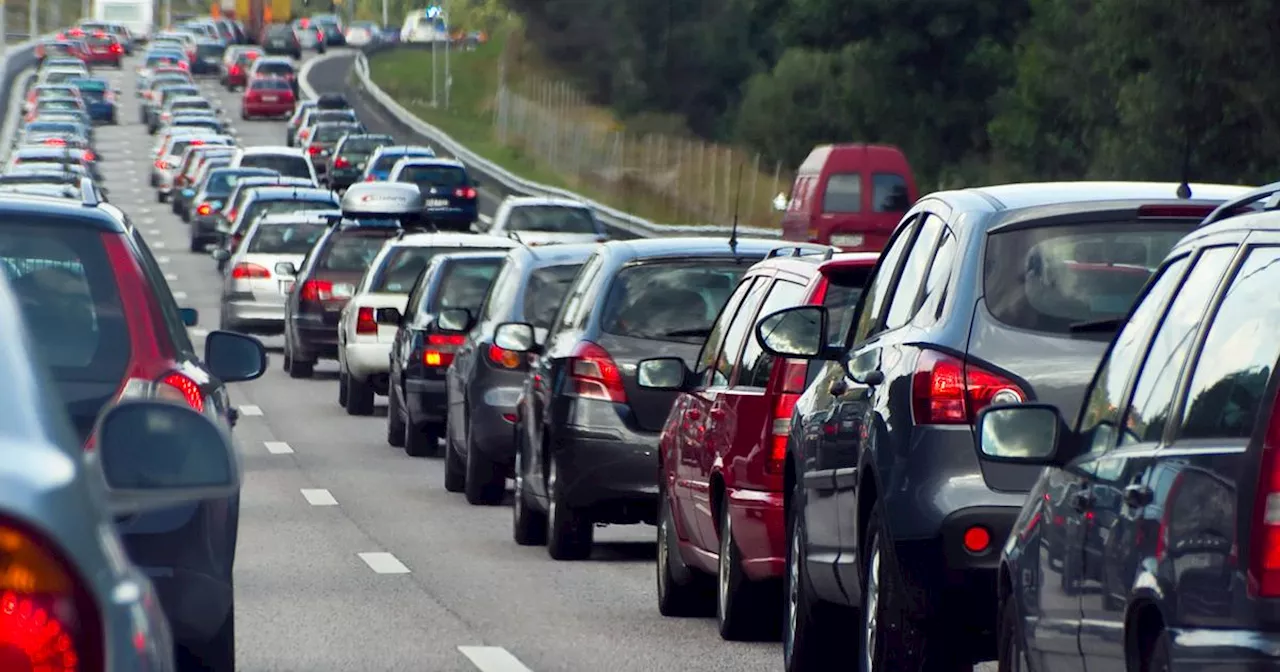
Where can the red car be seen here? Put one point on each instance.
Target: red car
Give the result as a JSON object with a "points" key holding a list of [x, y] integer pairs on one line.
{"points": [[723, 448], [267, 97], [237, 71], [104, 49]]}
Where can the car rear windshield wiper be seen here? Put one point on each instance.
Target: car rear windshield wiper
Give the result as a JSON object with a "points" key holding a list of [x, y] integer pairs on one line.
{"points": [[1097, 326], [678, 333]]}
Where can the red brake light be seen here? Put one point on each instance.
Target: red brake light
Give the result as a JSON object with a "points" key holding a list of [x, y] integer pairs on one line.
{"points": [[313, 150], [89, 156], [233, 70], [56, 142], [1162, 211], [204, 209], [594, 375], [1264, 541], [117, 49], [316, 290], [178, 387], [780, 430], [368, 178], [948, 391], [339, 162], [163, 165], [247, 271], [507, 359], [304, 22], [465, 192], [365, 324], [441, 348]]}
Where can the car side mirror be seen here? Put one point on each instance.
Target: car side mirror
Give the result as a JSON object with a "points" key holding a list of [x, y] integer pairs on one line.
{"points": [[220, 254], [233, 357], [798, 332], [663, 373], [516, 336], [457, 320], [155, 454], [1031, 434], [286, 268], [388, 316], [190, 316]]}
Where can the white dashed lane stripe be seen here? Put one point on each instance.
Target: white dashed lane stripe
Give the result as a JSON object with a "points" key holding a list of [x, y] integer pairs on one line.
{"points": [[170, 276], [198, 333], [278, 447], [383, 563], [179, 296], [493, 659], [250, 409], [319, 497], [162, 260]]}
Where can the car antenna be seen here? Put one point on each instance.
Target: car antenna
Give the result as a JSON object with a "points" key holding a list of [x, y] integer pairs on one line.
{"points": [[737, 203], [1184, 189]]}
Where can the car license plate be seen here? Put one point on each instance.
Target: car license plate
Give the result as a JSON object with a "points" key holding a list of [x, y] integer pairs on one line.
{"points": [[360, 166], [847, 240], [286, 286], [438, 203], [270, 99]]}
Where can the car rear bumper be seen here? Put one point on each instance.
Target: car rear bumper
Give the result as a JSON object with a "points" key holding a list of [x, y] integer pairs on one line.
{"points": [[425, 401], [611, 468], [759, 528], [461, 216], [316, 342], [268, 109], [256, 311], [492, 428], [367, 359]]}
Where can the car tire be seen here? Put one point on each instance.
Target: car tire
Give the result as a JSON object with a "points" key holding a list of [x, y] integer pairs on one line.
{"points": [[301, 368], [455, 470], [486, 485], [528, 525], [421, 442], [814, 632], [745, 609], [359, 396], [1011, 651], [218, 653], [196, 245], [161, 197], [395, 422], [286, 361], [342, 389], [682, 592], [570, 532]]}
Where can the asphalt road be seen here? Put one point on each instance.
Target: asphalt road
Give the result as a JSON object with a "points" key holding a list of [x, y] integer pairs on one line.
{"points": [[353, 557]]}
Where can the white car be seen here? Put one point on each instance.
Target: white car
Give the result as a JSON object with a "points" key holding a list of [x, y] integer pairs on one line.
{"points": [[364, 344], [61, 74], [170, 157], [534, 220], [254, 291], [287, 161]]}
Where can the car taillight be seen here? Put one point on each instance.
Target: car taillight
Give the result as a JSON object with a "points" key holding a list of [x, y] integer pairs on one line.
{"points": [[365, 324], [117, 49], [55, 142], [594, 375], [204, 209], [231, 215], [465, 192], [316, 290], [313, 150], [183, 65], [368, 178], [247, 271], [163, 165], [441, 348], [179, 388], [89, 156], [507, 359], [339, 162], [948, 391], [1264, 541], [780, 429], [233, 70]]}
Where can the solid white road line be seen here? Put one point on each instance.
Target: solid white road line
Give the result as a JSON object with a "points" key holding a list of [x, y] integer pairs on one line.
{"points": [[383, 563], [278, 447], [493, 659], [249, 409], [319, 497]]}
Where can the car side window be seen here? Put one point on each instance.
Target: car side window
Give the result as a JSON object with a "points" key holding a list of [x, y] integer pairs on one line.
{"points": [[757, 365], [906, 296], [415, 298], [1100, 415], [872, 303], [1228, 388], [1157, 383], [704, 369], [573, 306], [738, 331], [935, 283]]}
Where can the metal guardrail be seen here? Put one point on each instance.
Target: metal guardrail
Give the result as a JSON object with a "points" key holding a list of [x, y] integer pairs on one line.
{"points": [[520, 186]]}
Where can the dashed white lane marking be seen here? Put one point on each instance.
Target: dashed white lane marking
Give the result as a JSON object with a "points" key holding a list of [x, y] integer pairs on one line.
{"points": [[278, 447], [249, 409], [152, 232], [162, 260], [159, 245], [144, 210], [493, 659], [179, 296], [170, 276], [383, 563], [198, 333], [319, 497]]}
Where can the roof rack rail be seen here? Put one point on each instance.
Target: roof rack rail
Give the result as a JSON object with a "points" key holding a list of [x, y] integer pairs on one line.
{"points": [[88, 193], [1269, 194], [800, 251]]}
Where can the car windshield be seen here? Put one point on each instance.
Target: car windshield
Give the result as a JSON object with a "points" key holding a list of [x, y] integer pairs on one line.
{"points": [[551, 219], [545, 291], [296, 238], [285, 164], [436, 176], [669, 300], [330, 133], [1048, 278], [353, 252], [466, 282]]}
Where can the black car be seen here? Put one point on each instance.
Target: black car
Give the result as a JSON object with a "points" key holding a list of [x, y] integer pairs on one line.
{"points": [[323, 285], [587, 433], [982, 297], [347, 161], [332, 101], [280, 40], [1150, 538], [208, 60], [264, 200], [208, 201], [484, 381], [448, 192]]}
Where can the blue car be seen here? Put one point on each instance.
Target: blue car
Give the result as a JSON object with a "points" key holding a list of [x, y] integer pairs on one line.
{"points": [[378, 169], [99, 98]]}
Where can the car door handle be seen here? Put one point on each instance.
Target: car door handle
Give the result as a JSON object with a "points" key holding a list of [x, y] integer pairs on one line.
{"points": [[1082, 500], [1138, 496]]}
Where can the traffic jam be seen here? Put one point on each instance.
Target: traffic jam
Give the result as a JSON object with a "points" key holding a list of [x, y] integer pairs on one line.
{"points": [[1025, 426]]}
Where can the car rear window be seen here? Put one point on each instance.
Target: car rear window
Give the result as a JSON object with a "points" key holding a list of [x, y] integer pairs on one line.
{"points": [[333, 132], [403, 265], [275, 68], [545, 291], [58, 104], [269, 85], [289, 166], [388, 161], [551, 219], [352, 251], [211, 49], [1049, 278], [100, 41], [466, 282], [286, 238], [190, 105], [844, 289], [669, 301], [363, 147], [438, 176], [259, 207], [67, 291]]}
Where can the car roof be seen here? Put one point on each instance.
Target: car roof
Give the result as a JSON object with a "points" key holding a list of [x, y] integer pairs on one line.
{"points": [[1039, 194], [518, 201], [401, 149], [273, 150], [299, 192], [430, 161], [47, 151], [436, 239], [48, 209], [555, 255], [653, 248]]}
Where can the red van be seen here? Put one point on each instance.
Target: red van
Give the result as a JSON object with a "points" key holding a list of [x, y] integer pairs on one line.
{"points": [[849, 196]]}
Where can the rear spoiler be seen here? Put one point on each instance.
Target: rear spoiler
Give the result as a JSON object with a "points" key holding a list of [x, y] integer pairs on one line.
{"points": [[1269, 194]]}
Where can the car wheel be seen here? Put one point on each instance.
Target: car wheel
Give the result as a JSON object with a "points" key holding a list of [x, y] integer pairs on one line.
{"points": [[1010, 646], [424, 442], [342, 389], [570, 533], [528, 525], [160, 197], [196, 245], [455, 470], [395, 422], [218, 653], [814, 632], [359, 396], [485, 483], [682, 592], [744, 608], [1157, 657], [299, 368], [286, 361]]}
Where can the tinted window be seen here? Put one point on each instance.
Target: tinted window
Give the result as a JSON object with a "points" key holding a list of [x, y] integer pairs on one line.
{"points": [[844, 193], [844, 288], [711, 346], [289, 166], [439, 176], [212, 50], [320, 116], [1228, 387], [1153, 394], [274, 68], [170, 315], [285, 238], [387, 161], [466, 283], [868, 319], [904, 304], [1049, 278], [889, 193], [270, 85], [333, 132], [352, 253], [221, 182], [550, 219], [757, 365], [402, 267], [1100, 415], [67, 291], [190, 105], [545, 291], [669, 301], [738, 330], [363, 147], [260, 207]]}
